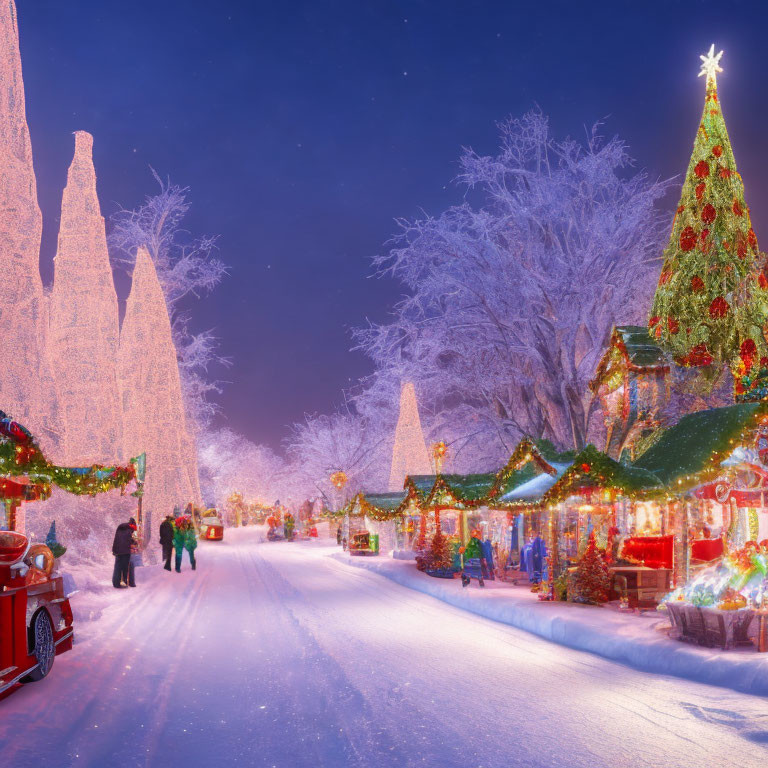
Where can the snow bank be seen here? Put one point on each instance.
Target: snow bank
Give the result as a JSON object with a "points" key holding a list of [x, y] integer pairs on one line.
{"points": [[641, 641]]}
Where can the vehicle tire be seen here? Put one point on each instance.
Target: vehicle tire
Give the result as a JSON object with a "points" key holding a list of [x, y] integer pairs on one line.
{"points": [[43, 646]]}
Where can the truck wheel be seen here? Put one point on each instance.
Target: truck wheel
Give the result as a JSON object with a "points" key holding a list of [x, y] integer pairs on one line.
{"points": [[43, 645]]}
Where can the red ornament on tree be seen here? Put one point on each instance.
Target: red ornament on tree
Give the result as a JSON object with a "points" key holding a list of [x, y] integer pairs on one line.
{"points": [[702, 169], [752, 238], [747, 352], [700, 190], [708, 213], [737, 209], [762, 281], [719, 308], [697, 284], [725, 173], [672, 325], [717, 150], [698, 356], [687, 239]]}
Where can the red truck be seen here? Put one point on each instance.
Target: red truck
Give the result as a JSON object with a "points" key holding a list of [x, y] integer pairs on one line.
{"points": [[35, 614]]}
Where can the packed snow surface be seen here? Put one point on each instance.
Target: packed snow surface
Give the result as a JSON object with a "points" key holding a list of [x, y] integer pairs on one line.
{"points": [[642, 640], [274, 654]]}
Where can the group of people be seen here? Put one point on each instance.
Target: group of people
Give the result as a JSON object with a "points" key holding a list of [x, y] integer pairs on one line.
{"points": [[178, 534], [125, 548], [175, 533]]}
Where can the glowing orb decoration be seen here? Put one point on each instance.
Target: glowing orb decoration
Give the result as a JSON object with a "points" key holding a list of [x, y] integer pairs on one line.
{"points": [[339, 479], [439, 450]]}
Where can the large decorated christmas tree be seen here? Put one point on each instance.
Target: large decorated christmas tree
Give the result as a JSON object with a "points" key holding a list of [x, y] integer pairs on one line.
{"points": [[711, 303]]}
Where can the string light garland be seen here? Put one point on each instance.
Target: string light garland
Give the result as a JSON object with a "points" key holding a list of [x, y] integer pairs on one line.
{"points": [[20, 456]]}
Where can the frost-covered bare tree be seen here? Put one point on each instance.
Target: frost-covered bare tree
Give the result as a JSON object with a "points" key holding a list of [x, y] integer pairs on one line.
{"points": [[186, 267], [346, 441], [512, 294], [230, 462]]}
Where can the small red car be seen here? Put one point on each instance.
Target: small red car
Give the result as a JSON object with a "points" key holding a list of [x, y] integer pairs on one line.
{"points": [[212, 528], [35, 614]]}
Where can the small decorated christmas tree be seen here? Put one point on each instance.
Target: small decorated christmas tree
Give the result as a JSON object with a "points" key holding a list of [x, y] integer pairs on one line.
{"points": [[711, 303], [591, 583], [437, 556], [52, 542]]}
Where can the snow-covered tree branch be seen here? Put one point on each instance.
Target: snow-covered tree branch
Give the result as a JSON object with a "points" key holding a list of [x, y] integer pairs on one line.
{"points": [[513, 293]]}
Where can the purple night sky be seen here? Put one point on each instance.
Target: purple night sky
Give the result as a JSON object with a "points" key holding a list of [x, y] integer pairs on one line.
{"points": [[305, 128]]}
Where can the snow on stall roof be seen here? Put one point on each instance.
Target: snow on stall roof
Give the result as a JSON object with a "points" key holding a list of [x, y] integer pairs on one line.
{"points": [[537, 487]]}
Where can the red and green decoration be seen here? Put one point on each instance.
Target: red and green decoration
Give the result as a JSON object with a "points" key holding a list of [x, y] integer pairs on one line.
{"points": [[711, 303], [20, 456]]}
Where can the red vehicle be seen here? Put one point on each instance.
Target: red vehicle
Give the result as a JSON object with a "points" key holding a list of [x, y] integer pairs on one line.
{"points": [[211, 526], [35, 614]]}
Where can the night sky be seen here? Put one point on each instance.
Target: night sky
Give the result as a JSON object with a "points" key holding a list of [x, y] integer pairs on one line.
{"points": [[305, 128]]}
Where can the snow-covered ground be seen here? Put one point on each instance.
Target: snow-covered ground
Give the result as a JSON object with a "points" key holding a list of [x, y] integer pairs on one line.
{"points": [[278, 655], [642, 640]]}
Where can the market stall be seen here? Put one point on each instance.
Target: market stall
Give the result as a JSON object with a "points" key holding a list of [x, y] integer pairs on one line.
{"points": [[518, 519], [601, 504], [713, 465]]}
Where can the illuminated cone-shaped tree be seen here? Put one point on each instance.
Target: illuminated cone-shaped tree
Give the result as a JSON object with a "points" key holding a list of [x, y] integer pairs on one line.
{"points": [[153, 409], [84, 324], [409, 453], [26, 383], [592, 580], [710, 304]]}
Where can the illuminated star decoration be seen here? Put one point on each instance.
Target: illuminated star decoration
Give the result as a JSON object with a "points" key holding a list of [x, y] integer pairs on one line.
{"points": [[711, 64]]}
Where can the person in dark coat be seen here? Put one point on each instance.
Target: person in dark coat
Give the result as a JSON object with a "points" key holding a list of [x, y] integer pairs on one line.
{"points": [[121, 549], [166, 540]]}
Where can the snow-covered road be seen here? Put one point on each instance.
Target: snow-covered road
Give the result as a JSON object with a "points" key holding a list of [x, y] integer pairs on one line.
{"points": [[276, 655]]}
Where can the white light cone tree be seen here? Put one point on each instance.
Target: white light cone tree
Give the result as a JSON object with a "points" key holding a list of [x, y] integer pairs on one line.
{"points": [[153, 409], [26, 383], [409, 453], [84, 322]]}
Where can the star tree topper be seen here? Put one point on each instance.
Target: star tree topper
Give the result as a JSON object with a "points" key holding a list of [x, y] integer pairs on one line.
{"points": [[711, 64]]}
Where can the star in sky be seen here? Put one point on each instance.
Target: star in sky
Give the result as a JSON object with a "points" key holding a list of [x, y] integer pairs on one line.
{"points": [[711, 64]]}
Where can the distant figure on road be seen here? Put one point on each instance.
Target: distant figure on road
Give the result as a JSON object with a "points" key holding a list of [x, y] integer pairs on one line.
{"points": [[166, 540], [121, 549], [184, 538]]}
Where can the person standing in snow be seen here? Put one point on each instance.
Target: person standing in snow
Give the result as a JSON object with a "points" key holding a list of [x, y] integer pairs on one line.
{"points": [[166, 540], [134, 552], [121, 549], [184, 538]]}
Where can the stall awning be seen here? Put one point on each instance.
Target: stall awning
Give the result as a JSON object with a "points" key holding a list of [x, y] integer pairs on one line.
{"points": [[692, 451]]}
